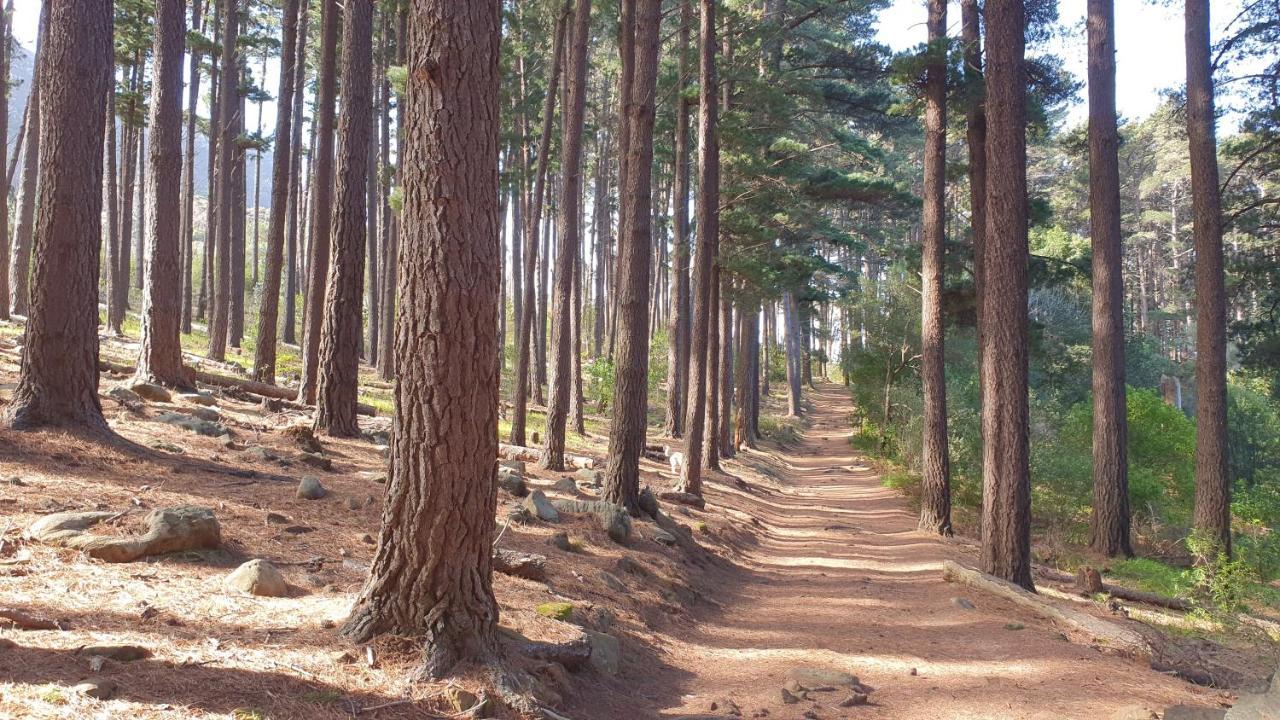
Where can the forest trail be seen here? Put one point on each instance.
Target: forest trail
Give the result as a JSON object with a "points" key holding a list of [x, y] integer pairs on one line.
{"points": [[841, 579]]}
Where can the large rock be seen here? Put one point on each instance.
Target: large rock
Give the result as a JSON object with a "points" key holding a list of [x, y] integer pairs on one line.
{"points": [[589, 478], [199, 398], [193, 424], [124, 395], [648, 503], [258, 577], [612, 518], [606, 654], [309, 488], [101, 689], [541, 508], [175, 529], [150, 391], [526, 565], [512, 481], [565, 484], [517, 465], [1259, 707]]}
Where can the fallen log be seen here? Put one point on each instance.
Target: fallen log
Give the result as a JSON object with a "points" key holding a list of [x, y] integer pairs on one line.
{"points": [[1119, 591], [523, 565], [1095, 630], [528, 454], [572, 655], [22, 620]]}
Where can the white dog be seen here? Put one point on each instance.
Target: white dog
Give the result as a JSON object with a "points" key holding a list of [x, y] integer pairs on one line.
{"points": [[677, 462]]}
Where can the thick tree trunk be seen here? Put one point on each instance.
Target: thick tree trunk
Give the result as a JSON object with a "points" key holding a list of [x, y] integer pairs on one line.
{"points": [[239, 195], [678, 325], [220, 305], [569, 238], [160, 359], [289, 334], [431, 573], [1006, 496], [339, 360], [1213, 482], [58, 380], [711, 440], [1110, 521], [5, 50], [321, 204], [532, 220], [631, 385], [707, 213], [264, 363], [935, 483]]}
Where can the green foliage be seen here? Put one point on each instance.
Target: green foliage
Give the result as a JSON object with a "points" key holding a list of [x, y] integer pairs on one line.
{"points": [[1224, 582], [599, 376]]}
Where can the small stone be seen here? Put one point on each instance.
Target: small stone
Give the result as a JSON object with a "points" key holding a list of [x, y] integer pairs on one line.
{"points": [[914, 672], [663, 537], [962, 603], [260, 454], [192, 424], [97, 689], [555, 610], [315, 460], [612, 582], [258, 577], [589, 478], [854, 700], [354, 503], [541, 508], [1014, 626], [648, 503], [206, 413], [725, 706], [811, 678], [123, 395], [810, 715], [463, 701], [516, 465], [366, 538], [525, 565], [565, 484], [1189, 712], [512, 481], [198, 398], [309, 488], [788, 697], [119, 653], [277, 519], [150, 391]]}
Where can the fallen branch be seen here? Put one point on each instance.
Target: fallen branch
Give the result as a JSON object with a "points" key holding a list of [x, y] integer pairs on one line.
{"points": [[1095, 630], [1121, 592], [528, 454], [26, 621]]}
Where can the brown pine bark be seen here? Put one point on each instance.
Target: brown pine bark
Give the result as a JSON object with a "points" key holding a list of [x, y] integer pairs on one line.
{"points": [[339, 358], [189, 175], [532, 220], [129, 158], [387, 356], [239, 199], [1006, 496], [631, 379], [264, 363], [160, 359], [58, 380], [136, 270], [1110, 520], [431, 573], [725, 440], [678, 325], [1213, 483], [20, 259], [976, 140], [707, 213], [5, 47], [115, 313], [288, 333], [935, 483], [321, 203], [711, 439], [793, 352], [220, 304], [569, 238]]}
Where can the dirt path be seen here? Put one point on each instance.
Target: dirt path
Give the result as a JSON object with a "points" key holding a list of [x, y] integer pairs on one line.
{"points": [[840, 578]]}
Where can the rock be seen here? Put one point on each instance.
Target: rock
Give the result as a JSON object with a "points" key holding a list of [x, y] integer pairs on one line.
{"points": [[175, 529], [512, 481], [124, 395], [572, 655], [810, 715], [541, 508], [684, 498], [725, 706], [788, 697], [96, 689], [198, 398], [150, 391], [854, 700], [516, 465], [257, 577], [589, 478], [1265, 706], [663, 537], [811, 678], [962, 603], [353, 503], [276, 518], [192, 424], [1014, 626], [560, 541], [524, 565], [260, 454], [226, 440], [119, 653], [606, 653], [205, 413], [309, 488], [630, 566], [23, 620], [565, 484], [463, 702], [304, 437], [1189, 712], [555, 610], [612, 582], [167, 447], [648, 503], [366, 538], [384, 451], [315, 460], [612, 518]]}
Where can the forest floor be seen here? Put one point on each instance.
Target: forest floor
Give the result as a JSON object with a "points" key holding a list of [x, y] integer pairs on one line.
{"points": [[801, 559]]}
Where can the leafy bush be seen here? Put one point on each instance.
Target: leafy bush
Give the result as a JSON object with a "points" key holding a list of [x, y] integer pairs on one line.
{"points": [[599, 382]]}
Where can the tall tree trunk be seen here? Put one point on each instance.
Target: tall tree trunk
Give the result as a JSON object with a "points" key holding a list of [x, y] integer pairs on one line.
{"points": [[678, 328], [1213, 483], [239, 198], [1006, 496], [24, 232], [725, 442], [631, 383], [140, 239], [296, 197], [791, 331], [569, 238], [707, 213], [373, 187], [430, 576], [220, 306], [387, 356], [1110, 521], [6, 46], [189, 175], [264, 362], [58, 379], [976, 140], [711, 457], [339, 358], [935, 483], [211, 204], [160, 359], [532, 221], [115, 314], [321, 203]]}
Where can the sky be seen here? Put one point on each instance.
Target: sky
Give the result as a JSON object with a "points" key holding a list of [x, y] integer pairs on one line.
{"points": [[1149, 44]]}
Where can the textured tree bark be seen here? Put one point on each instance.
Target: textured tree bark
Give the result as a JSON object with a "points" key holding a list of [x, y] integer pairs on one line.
{"points": [[678, 326], [239, 195], [321, 204], [390, 265], [140, 239], [189, 175], [711, 438], [1213, 483], [725, 440], [976, 140], [229, 108], [707, 212], [431, 573], [160, 358], [211, 206], [568, 236], [1110, 520], [1006, 496], [339, 359], [58, 379], [576, 409], [743, 382], [264, 362], [5, 49], [288, 333], [935, 483], [631, 380], [115, 313], [20, 259], [379, 101], [791, 321], [532, 219]]}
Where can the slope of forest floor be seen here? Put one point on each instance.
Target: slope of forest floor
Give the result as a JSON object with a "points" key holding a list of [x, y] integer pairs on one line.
{"points": [[801, 559]]}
